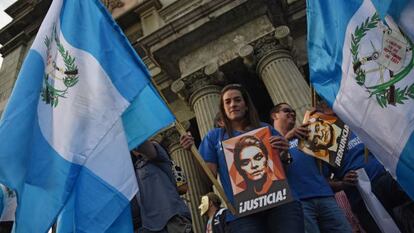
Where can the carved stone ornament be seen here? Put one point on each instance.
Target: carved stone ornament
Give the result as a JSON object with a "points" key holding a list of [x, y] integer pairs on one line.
{"points": [[112, 4], [213, 70], [209, 75], [282, 34], [246, 52], [171, 136], [265, 45]]}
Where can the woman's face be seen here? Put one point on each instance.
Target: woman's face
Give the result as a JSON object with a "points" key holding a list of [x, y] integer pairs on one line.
{"points": [[253, 162], [234, 105]]}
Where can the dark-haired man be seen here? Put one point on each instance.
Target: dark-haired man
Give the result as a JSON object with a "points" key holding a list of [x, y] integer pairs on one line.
{"points": [[321, 211]]}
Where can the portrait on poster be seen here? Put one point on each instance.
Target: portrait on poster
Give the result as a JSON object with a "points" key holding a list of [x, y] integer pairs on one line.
{"points": [[256, 173], [327, 138]]}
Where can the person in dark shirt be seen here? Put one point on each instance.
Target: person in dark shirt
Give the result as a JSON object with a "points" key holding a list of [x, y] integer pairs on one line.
{"points": [[161, 208], [385, 188], [211, 206], [322, 213]]}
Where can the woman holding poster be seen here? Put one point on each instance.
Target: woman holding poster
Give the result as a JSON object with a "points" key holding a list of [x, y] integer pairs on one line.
{"points": [[240, 116]]}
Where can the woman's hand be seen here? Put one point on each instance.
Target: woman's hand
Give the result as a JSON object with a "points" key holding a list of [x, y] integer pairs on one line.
{"points": [[186, 141]]}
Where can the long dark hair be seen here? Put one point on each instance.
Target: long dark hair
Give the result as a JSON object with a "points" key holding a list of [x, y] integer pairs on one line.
{"points": [[251, 118]]}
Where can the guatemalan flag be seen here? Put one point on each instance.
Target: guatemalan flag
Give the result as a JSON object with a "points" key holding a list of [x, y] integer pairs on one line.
{"points": [[82, 99], [361, 61]]}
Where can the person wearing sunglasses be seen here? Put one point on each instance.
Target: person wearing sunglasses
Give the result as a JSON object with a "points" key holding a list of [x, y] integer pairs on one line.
{"points": [[321, 212]]}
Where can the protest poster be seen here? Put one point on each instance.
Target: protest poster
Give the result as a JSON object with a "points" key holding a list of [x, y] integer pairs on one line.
{"points": [[257, 177], [327, 138]]}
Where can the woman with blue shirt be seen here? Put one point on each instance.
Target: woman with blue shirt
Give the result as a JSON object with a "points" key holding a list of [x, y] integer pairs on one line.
{"points": [[240, 116]]}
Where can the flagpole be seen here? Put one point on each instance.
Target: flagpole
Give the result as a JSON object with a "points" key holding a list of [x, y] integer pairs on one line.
{"points": [[182, 131], [313, 93]]}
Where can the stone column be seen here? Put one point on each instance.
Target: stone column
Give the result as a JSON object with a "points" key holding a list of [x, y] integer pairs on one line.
{"points": [[205, 103], [197, 182], [279, 73], [202, 90], [203, 93]]}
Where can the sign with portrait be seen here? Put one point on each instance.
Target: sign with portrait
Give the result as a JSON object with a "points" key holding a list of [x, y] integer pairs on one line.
{"points": [[257, 177], [327, 138]]}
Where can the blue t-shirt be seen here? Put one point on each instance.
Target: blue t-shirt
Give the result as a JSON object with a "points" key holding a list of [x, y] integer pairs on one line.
{"points": [[304, 175], [355, 159], [212, 152]]}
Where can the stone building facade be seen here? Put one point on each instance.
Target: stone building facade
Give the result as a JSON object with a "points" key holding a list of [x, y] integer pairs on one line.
{"points": [[192, 48]]}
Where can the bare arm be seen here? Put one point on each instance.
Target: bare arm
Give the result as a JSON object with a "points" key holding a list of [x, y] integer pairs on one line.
{"points": [[350, 179], [336, 185]]}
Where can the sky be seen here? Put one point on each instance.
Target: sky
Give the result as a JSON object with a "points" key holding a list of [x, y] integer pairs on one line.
{"points": [[4, 18]]}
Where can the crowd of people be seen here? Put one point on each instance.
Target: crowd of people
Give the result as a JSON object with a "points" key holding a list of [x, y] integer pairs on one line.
{"points": [[313, 183], [159, 208]]}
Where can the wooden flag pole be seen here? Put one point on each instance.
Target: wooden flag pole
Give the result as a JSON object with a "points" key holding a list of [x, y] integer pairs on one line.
{"points": [[313, 97], [366, 153], [313, 93]]}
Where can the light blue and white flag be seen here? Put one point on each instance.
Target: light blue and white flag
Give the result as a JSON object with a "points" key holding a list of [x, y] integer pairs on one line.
{"points": [[82, 99], [361, 61]]}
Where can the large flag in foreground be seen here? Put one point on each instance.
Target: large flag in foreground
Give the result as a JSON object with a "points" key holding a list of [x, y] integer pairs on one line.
{"points": [[82, 97], [361, 61]]}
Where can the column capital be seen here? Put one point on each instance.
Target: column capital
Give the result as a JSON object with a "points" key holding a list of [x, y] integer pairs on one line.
{"points": [[208, 76], [265, 45], [277, 40], [112, 4], [282, 34], [170, 138], [246, 52]]}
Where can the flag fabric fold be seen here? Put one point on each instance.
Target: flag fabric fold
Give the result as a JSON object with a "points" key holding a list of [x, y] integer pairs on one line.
{"points": [[82, 99], [361, 62]]}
